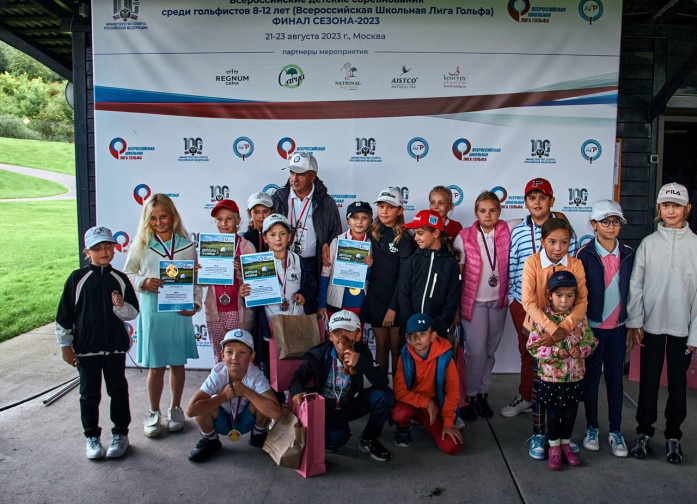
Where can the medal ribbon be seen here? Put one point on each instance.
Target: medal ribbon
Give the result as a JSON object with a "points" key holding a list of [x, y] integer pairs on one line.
{"points": [[341, 390], [285, 275], [168, 253], [488, 254], [233, 416]]}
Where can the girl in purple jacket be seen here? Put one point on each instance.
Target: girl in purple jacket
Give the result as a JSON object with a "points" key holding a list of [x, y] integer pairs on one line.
{"points": [[484, 300]]}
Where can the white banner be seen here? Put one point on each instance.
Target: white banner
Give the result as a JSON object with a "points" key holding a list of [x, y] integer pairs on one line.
{"points": [[205, 100]]}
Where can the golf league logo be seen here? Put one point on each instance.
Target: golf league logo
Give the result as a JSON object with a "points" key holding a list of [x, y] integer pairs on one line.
{"points": [[590, 10], [141, 192], [591, 150], [285, 147], [270, 189], [457, 194], [122, 241], [461, 147], [117, 147], [243, 147], [518, 8], [417, 148]]}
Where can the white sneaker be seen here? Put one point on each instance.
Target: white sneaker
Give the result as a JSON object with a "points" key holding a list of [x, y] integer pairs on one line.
{"points": [[94, 448], [619, 448], [459, 423], [152, 425], [590, 442], [516, 406], [175, 419], [119, 445]]}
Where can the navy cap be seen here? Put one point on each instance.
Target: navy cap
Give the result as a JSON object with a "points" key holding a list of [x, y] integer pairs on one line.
{"points": [[357, 207], [561, 279], [419, 322]]}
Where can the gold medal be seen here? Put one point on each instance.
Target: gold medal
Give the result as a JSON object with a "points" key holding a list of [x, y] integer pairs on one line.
{"points": [[224, 299], [354, 292], [234, 435]]}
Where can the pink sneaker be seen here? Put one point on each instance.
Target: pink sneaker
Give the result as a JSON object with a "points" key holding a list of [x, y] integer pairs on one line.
{"points": [[569, 456], [554, 460]]}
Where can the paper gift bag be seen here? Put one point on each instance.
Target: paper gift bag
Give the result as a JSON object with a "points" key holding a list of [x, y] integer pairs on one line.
{"points": [[286, 440], [281, 371], [311, 416], [294, 334]]}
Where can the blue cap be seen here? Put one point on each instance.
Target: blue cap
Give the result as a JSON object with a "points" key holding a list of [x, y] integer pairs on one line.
{"points": [[419, 322], [561, 279]]}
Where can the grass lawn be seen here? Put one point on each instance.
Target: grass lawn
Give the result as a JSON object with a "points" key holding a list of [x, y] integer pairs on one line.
{"points": [[16, 185], [38, 250], [52, 156]]}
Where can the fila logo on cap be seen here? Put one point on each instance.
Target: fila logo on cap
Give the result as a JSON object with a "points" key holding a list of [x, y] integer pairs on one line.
{"points": [[673, 191]]}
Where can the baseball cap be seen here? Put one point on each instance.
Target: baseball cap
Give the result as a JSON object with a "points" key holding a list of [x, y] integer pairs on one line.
{"points": [[98, 234], [238, 335], [274, 219], [391, 195], [539, 184], [344, 319], [357, 207], [226, 203], [260, 198], [302, 162], [561, 279], [419, 322], [605, 208], [426, 218], [673, 192]]}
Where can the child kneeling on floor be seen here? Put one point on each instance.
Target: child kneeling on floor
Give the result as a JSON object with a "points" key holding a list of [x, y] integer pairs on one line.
{"points": [[426, 386], [338, 368], [561, 368], [236, 398]]}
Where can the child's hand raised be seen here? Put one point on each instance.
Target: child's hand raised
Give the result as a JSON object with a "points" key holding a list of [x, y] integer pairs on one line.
{"points": [[116, 299], [350, 358]]}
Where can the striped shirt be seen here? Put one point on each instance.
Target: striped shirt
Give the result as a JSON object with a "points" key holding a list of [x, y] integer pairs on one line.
{"points": [[525, 241]]}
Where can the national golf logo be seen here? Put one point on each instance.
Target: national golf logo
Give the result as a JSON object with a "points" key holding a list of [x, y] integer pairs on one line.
{"points": [[590, 10], [270, 189], [122, 241], [291, 76], [349, 81], [193, 150], [231, 77], [540, 152], [461, 147], [518, 8], [578, 200], [404, 80], [522, 12], [285, 147], [201, 335], [417, 148], [243, 147], [457, 194], [119, 149], [365, 151], [126, 16], [509, 201], [463, 151], [141, 192], [454, 79], [591, 150]]}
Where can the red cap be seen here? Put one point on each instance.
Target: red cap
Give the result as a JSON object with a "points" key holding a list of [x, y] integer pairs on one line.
{"points": [[539, 184], [226, 203], [426, 218]]}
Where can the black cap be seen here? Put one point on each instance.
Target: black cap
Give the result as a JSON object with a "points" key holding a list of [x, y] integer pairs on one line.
{"points": [[561, 279], [357, 207]]}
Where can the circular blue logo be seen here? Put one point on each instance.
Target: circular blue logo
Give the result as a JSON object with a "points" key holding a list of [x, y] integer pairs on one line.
{"points": [[591, 150], [501, 192], [457, 194], [270, 189], [417, 148], [583, 240], [243, 147], [590, 10]]}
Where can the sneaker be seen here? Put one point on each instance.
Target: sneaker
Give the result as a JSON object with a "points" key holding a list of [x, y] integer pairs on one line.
{"points": [[375, 448], [152, 425], [574, 447], [94, 449], [459, 423], [402, 437], [640, 446], [119, 445], [467, 413], [537, 446], [673, 451], [204, 449], [590, 442], [516, 406], [175, 419], [569, 456], [554, 460], [258, 440], [619, 448], [481, 406]]}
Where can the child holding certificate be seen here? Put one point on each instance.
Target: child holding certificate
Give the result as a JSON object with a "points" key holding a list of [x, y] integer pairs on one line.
{"points": [[225, 308], [337, 293], [164, 339]]}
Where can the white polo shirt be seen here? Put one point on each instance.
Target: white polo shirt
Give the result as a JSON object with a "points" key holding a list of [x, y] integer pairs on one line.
{"points": [[300, 214]]}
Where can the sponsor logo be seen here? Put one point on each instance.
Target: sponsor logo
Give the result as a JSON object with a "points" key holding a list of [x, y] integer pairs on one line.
{"points": [[243, 147], [540, 152], [141, 192], [365, 151], [509, 201], [286, 146], [343, 199], [591, 150], [122, 241], [194, 237], [590, 10], [522, 12], [270, 189], [129, 328], [126, 16], [457, 194], [404, 80], [201, 334], [583, 240], [404, 194], [349, 82], [193, 150], [463, 151], [217, 193], [454, 79], [291, 76], [433, 220], [231, 77], [578, 200], [417, 148], [119, 149]]}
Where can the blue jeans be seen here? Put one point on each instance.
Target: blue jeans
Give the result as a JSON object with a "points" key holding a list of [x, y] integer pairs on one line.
{"points": [[371, 401], [607, 358]]}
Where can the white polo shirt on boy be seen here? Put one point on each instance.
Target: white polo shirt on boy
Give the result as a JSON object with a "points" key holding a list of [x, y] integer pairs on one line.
{"points": [[219, 377]]}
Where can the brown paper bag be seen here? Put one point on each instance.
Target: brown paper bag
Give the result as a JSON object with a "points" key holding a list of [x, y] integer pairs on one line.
{"points": [[294, 334], [286, 441]]}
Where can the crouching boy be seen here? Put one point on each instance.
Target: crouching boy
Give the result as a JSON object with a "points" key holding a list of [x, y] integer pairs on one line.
{"points": [[236, 398], [426, 387], [338, 368]]}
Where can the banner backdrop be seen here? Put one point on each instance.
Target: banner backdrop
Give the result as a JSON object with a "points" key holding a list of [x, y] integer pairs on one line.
{"points": [[207, 100]]}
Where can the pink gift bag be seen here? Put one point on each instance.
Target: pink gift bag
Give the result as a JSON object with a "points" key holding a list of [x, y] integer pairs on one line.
{"points": [[311, 416], [281, 370], [635, 366]]}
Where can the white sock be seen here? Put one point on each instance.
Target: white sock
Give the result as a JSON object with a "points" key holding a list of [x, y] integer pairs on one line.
{"points": [[210, 435], [258, 430]]}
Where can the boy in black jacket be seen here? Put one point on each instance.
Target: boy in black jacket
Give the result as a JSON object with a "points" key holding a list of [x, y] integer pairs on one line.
{"points": [[90, 330], [337, 368]]}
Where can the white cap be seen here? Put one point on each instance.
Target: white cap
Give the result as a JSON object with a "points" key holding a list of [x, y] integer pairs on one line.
{"points": [[673, 192], [260, 198], [274, 219], [391, 195], [344, 319], [238, 335], [302, 162], [605, 208], [98, 234]]}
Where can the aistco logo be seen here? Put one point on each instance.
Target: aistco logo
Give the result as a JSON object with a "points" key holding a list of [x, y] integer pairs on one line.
{"points": [[291, 76], [122, 241], [417, 148]]}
